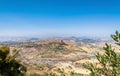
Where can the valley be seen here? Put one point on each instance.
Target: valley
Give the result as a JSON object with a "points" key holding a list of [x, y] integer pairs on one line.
{"points": [[49, 55]]}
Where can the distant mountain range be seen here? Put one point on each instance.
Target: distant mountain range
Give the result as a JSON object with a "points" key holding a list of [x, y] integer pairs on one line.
{"points": [[38, 38], [17, 40]]}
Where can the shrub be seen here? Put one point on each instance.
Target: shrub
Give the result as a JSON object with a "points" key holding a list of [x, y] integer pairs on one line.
{"points": [[109, 62], [9, 65]]}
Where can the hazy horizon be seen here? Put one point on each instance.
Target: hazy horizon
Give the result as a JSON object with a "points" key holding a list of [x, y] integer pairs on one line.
{"points": [[94, 18]]}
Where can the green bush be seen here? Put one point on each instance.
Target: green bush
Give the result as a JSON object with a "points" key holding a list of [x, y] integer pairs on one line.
{"points": [[9, 65], [109, 62], [75, 74], [35, 74], [49, 74], [42, 66]]}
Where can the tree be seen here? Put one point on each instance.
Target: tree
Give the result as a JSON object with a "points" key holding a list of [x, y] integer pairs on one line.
{"points": [[9, 65], [109, 62]]}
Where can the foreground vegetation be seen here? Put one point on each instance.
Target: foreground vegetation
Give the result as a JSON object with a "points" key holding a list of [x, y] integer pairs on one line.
{"points": [[9, 65], [108, 63]]}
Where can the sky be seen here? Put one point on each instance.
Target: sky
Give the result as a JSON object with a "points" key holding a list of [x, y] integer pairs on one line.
{"points": [[59, 17]]}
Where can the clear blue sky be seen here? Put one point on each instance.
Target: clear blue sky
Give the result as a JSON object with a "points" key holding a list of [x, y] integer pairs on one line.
{"points": [[59, 17]]}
